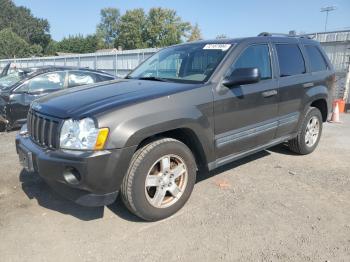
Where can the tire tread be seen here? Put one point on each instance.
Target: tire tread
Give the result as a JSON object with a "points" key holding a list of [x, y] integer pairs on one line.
{"points": [[140, 154], [295, 145]]}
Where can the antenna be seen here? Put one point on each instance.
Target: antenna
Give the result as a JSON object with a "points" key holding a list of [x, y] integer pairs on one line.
{"points": [[327, 9]]}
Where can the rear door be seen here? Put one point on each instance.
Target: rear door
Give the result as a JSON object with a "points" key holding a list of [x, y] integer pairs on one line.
{"points": [[293, 79], [245, 115]]}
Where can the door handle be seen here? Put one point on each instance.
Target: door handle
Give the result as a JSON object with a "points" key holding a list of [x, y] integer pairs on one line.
{"points": [[310, 84], [269, 93]]}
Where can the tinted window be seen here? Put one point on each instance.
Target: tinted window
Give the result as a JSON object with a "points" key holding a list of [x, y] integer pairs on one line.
{"points": [[49, 81], [317, 61], [290, 60], [255, 56], [78, 78]]}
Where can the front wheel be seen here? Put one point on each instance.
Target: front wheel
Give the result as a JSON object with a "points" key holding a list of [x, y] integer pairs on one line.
{"points": [[160, 179], [309, 133]]}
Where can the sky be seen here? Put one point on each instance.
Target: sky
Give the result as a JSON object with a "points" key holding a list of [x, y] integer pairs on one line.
{"points": [[232, 18]]}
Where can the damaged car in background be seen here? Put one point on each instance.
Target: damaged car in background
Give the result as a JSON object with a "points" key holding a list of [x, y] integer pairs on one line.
{"points": [[20, 87]]}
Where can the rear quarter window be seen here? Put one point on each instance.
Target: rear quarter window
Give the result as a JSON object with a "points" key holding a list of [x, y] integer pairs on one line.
{"points": [[317, 61], [101, 78], [290, 59]]}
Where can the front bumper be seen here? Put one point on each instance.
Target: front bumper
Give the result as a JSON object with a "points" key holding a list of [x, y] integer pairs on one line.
{"points": [[98, 175]]}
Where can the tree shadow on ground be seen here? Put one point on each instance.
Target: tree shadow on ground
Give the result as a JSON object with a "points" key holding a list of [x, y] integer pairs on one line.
{"points": [[36, 188]]}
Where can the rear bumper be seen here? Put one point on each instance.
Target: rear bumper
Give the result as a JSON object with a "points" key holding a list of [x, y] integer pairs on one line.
{"points": [[97, 175]]}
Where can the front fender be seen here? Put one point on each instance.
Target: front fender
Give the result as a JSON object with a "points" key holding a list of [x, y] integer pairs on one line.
{"points": [[129, 126]]}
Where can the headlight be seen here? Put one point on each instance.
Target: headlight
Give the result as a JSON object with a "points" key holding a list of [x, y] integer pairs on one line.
{"points": [[82, 135]]}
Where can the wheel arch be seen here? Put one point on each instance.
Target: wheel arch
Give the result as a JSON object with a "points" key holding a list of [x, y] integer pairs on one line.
{"points": [[188, 137], [319, 97], [321, 104]]}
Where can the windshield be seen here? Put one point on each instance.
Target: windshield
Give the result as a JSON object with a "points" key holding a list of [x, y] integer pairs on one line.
{"points": [[193, 63], [6, 82]]}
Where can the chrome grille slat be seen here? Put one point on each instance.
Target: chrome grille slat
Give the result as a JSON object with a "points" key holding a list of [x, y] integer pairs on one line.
{"points": [[29, 121], [50, 134], [36, 128], [43, 129], [43, 133]]}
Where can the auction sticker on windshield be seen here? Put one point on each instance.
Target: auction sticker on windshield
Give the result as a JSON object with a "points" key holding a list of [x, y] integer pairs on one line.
{"points": [[222, 47]]}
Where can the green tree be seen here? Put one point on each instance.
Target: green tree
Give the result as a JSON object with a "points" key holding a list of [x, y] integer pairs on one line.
{"points": [[76, 44], [52, 48], [195, 34], [11, 45], [164, 27], [21, 21], [107, 28], [131, 30]]}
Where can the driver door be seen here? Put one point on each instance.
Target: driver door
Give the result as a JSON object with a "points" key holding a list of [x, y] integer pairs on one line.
{"points": [[35, 88], [245, 115]]}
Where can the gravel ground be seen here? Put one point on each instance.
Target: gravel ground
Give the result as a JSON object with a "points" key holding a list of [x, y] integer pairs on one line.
{"points": [[272, 206]]}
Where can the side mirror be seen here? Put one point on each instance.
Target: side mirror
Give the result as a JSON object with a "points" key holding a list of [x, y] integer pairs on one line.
{"points": [[242, 76]]}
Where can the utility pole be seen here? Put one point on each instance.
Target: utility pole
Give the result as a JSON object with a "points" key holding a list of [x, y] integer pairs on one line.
{"points": [[327, 9]]}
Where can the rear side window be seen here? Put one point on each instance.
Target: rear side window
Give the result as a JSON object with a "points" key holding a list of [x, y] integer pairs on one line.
{"points": [[255, 56], [78, 78], [317, 61], [290, 60]]}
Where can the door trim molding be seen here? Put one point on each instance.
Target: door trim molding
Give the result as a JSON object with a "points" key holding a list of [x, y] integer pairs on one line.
{"points": [[230, 158], [224, 139]]}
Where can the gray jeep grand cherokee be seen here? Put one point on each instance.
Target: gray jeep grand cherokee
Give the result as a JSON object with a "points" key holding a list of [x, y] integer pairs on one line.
{"points": [[188, 108]]}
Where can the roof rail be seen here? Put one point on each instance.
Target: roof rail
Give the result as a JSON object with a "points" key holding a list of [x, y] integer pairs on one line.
{"points": [[290, 34]]}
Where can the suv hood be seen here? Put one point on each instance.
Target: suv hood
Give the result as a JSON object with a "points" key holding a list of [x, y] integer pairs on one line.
{"points": [[83, 101]]}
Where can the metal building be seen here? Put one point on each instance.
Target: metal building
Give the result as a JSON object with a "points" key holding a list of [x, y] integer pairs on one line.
{"points": [[337, 46]]}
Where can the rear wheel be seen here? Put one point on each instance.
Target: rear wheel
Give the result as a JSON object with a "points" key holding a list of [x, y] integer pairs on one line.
{"points": [[309, 133], [160, 179]]}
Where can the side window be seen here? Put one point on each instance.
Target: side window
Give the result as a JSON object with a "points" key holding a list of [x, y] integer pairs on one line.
{"points": [[255, 56], [290, 60], [101, 78], [317, 61], [48, 81], [78, 78]]}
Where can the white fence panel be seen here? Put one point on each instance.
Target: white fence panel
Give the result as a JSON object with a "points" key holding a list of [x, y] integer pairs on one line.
{"points": [[118, 63]]}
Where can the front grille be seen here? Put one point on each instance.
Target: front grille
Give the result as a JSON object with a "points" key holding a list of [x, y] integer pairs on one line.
{"points": [[43, 129]]}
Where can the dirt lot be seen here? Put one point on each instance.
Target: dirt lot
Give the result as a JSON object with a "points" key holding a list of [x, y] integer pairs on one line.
{"points": [[272, 206]]}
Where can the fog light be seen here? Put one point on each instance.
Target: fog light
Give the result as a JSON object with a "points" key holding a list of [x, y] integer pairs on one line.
{"points": [[72, 176]]}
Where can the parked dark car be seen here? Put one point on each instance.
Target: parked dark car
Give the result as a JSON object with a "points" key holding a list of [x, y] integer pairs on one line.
{"points": [[19, 88], [191, 107]]}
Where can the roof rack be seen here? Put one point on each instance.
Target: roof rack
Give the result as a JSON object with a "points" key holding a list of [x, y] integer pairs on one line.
{"points": [[290, 34]]}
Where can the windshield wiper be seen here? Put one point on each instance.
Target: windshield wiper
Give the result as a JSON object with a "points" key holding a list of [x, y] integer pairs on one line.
{"points": [[153, 78]]}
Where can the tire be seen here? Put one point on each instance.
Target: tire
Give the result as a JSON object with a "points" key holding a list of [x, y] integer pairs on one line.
{"points": [[149, 165], [299, 144]]}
